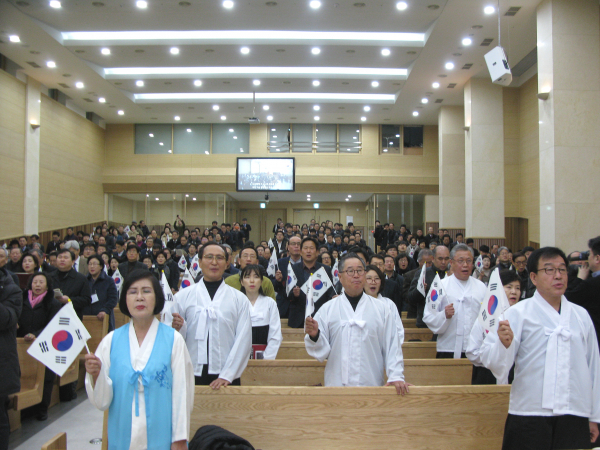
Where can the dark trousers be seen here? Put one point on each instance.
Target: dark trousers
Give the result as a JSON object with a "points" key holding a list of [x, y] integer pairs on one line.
{"points": [[205, 379], [49, 378], [481, 375], [448, 355], [4, 425], [546, 433]]}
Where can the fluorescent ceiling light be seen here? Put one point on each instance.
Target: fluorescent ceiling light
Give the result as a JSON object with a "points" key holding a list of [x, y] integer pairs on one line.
{"points": [[14, 38], [102, 100], [316, 107], [270, 96], [269, 118], [315, 4], [424, 100], [245, 50], [489, 10], [363, 118], [449, 66], [243, 71], [316, 83], [120, 112], [266, 107], [105, 51], [197, 83], [141, 4], [223, 117], [177, 118], [374, 84], [79, 85], [256, 82], [435, 85], [139, 83], [315, 50], [51, 64], [55, 4], [401, 6], [228, 4], [467, 41], [174, 51], [385, 52], [415, 113], [248, 37], [367, 108], [215, 107], [189, 130]]}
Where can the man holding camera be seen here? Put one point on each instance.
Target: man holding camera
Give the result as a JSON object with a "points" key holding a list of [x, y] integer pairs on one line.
{"points": [[585, 289]]}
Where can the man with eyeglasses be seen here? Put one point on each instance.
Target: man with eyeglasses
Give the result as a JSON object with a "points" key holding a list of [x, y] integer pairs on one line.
{"points": [[294, 256], [214, 319], [458, 304], [356, 334], [441, 258], [555, 395]]}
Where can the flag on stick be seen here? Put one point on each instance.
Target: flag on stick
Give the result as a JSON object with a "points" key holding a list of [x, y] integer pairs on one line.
{"points": [[272, 267], [421, 284], [195, 266], [434, 297], [292, 279], [182, 263], [118, 279], [335, 272], [494, 303], [166, 316], [187, 280]]}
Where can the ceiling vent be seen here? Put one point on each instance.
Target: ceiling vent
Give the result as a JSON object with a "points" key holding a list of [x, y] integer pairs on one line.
{"points": [[451, 85], [467, 66], [88, 100], [439, 100], [486, 42], [512, 11], [34, 64], [66, 86]]}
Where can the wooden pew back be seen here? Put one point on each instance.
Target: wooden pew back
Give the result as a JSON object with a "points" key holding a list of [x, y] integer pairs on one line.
{"points": [[297, 334], [406, 323], [310, 372], [58, 442], [32, 378], [410, 350], [97, 329], [297, 418], [120, 318]]}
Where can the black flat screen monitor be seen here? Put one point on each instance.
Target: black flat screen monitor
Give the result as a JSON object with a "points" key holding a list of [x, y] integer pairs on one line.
{"points": [[266, 174]]}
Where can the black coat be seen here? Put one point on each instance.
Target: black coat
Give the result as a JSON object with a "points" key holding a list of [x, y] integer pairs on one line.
{"points": [[393, 291], [11, 303], [75, 286], [408, 277], [586, 293], [34, 320], [298, 304], [124, 268], [283, 303], [416, 298], [106, 290]]}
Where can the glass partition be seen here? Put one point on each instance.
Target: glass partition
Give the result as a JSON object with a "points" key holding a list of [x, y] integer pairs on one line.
{"points": [[230, 138], [191, 139], [153, 139]]}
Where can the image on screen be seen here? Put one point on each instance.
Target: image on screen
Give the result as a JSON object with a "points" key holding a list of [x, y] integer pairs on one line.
{"points": [[265, 174]]}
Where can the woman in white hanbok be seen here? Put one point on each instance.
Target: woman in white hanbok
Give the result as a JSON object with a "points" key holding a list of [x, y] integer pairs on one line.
{"points": [[142, 373]]}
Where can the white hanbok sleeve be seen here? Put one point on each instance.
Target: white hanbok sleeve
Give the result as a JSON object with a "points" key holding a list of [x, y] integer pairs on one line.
{"points": [[183, 390], [275, 337], [495, 356], [101, 393], [394, 360], [238, 357], [475, 342], [319, 350], [436, 320]]}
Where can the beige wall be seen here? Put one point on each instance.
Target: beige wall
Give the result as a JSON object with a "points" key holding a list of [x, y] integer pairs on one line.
{"points": [[122, 209], [12, 154]]}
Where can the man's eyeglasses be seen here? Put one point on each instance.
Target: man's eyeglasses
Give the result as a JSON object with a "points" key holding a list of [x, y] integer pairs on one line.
{"points": [[552, 270], [352, 272], [462, 262], [219, 258]]}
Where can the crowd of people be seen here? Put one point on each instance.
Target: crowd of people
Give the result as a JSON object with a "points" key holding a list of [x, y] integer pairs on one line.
{"points": [[233, 309]]}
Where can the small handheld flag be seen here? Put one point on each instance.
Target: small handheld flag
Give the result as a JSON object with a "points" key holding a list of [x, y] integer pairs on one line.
{"points": [[434, 297], [494, 303], [271, 245], [195, 266], [60, 343], [310, 303], [118, 279], [187, 279], [166, 316], [421, 284], [479, 263], [336, 273], [182, 263], [320, 284], [272, 267], [292, 279]]}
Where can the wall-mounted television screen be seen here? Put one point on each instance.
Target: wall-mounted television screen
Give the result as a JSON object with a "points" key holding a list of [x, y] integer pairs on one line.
{"points": [[266, 174]]}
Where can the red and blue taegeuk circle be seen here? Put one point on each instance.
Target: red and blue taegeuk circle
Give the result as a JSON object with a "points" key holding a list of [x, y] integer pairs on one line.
{"points": [[317, 284], [185, 283], [117, 280], [492, 304], [62, 340], [434, 295], [289, 280]]}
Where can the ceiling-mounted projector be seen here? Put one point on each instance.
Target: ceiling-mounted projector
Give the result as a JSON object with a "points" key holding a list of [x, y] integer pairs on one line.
{"points": [[498, 66], [253, 120]]}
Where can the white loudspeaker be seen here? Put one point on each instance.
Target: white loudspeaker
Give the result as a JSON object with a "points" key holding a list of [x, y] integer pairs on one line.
{"points": [[498, 66]]}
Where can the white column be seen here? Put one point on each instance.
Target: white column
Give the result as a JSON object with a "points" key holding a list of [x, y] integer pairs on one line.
{"points": [[32, 156]]}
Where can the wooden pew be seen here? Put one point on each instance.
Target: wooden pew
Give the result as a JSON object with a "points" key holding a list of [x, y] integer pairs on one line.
{"points": [[297, 418], [297, 334], [120, 318], [58, 442], [310, 372], [97, 332], [410, 350], [403, 314]]}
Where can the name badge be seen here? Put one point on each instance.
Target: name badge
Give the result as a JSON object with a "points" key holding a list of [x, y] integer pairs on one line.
{"points": [[94, 298]]}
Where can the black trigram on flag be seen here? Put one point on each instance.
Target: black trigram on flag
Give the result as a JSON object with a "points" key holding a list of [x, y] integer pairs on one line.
{"points": [[78, 333], [61, 360], [44, 347], [493, 286], [64, 321], [484, 315]]}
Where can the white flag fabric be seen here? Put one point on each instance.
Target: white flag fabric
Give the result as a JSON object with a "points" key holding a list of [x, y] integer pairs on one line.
{"points": [[434, 297], [494, 303], [310, 303], [271, 245], [187, 280], [126, 229], [61, 341], [272, 267], [479, 263], [166, 316], [118, 279], [320, 284], [292, 279], [195, 266], [421, 283], [335, 272], [182, 262]]}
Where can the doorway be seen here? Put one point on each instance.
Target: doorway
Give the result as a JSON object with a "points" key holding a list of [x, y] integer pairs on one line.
{"points": [[262, 222], [302, 216]]}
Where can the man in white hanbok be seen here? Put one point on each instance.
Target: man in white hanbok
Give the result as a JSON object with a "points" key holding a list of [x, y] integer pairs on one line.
{"points": [[555, 395], [214, 319], [452, 315], [356, 334]]}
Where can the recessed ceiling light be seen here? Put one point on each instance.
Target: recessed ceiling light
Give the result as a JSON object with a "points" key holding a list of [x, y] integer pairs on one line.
{"points": [[194, 198], [227, 4], [315, 50], [314, 4], [156, 199], [235, 137], [489, 10], [141, 4], [197, 83], [316, 83], [51, 64], [177, 118], [449, 66], [102, 100], [367, 108], [424, 100], [317, 118], [55, 4], [375, 84], [223, 117], [467, 41], [231, 130], [174, 51], [415, 113], [435, 85], [348, 198], [269, 117], [206, 152], [120, 112], [160, 143], [363, 118], [256, 82], [189, 130], [385, 52], [105, 51], [266, 107], [215, 107], [151, 135], [317, 108], [245, 50], [401, 6], [385, 150], [139, 83], [14, 38], [79, 85]]}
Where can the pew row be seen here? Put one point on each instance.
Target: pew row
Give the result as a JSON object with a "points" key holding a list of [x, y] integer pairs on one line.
{"points": [[58, 442], [332, 418], [310, 372], [410, 350], [406, 323], [410, 334], [97, 329], [120, 318]]}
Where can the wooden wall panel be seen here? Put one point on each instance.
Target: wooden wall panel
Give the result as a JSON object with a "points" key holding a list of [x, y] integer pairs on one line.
{"points": [[71, 163], [517, 232], [12, 154]]}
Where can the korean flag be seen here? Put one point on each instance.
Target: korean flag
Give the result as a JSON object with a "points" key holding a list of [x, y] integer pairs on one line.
{"points": [[494, 303], [291, 281]]}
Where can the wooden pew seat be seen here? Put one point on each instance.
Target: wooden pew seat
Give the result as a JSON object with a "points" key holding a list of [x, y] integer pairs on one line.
{"points": [[297, 418], [58, 442], [410, 350], [310, 372], [97, 330], [32, 379]]}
